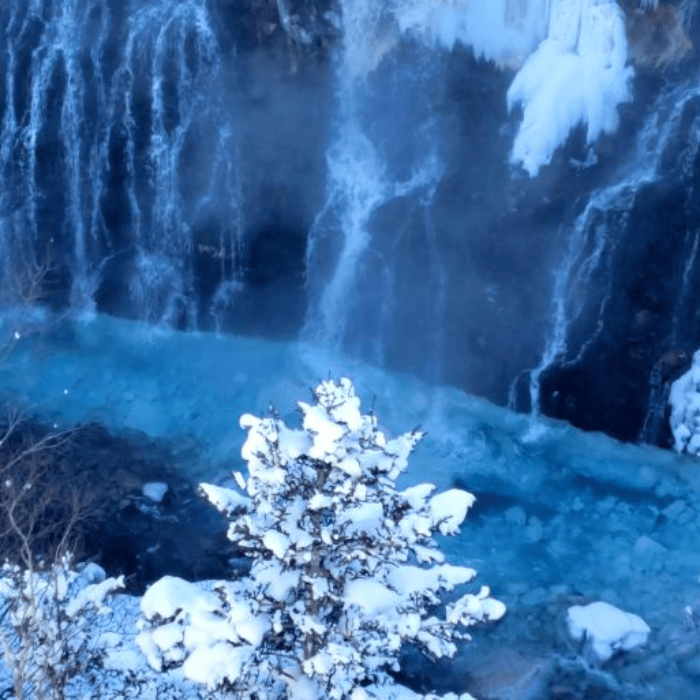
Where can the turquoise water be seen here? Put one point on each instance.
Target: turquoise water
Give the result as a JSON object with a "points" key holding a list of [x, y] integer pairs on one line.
{"points": [[561, 517]]}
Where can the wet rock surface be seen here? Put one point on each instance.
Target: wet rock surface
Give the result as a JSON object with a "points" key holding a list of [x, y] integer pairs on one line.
{"points": [[646, 320], [124, 529]]}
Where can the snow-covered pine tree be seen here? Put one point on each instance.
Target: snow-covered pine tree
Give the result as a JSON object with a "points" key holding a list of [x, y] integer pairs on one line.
{"points": [[344, 572]]}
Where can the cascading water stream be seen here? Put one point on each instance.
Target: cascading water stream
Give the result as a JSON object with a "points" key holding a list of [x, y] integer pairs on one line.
{"points": [[172, 67], [592, 236], [683, 311], [659, 387], [359, 183], [96, 155]]}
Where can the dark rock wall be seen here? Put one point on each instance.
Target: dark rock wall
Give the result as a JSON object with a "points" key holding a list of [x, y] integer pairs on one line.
{"points": [[650, 322], [459, 291], [644, 335], [281, 86]]}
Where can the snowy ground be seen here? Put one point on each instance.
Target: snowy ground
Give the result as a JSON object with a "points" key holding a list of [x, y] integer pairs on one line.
{"points": [[562, 517]]}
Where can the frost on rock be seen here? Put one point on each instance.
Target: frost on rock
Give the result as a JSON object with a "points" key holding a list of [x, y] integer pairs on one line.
{"points": [[344, 567], [606, 628], [685, 409]]}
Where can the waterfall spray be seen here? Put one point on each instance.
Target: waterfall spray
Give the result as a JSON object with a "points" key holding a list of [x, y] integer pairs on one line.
{"points": [[359, 182]]}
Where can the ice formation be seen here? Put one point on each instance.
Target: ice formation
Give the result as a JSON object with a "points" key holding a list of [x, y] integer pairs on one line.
{"points": [[577, 75], [685, 409], [504, 31], [572, 56]]}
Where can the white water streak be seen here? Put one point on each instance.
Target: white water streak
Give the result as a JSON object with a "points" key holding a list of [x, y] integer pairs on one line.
{"points": [[358, 181], [590, 237], [169, 49]]}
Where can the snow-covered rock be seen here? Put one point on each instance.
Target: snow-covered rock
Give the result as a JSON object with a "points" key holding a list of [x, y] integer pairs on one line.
{"points": [[607, 628], [155, 491]]}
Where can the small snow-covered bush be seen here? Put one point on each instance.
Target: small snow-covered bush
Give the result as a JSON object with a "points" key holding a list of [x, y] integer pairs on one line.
{"points": [[48, 630], [345, 569], [50, 607]]}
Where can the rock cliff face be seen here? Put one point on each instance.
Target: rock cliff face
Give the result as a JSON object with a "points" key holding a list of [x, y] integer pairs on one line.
{"points": [[657, 37], [630, 320], [196, 187]]}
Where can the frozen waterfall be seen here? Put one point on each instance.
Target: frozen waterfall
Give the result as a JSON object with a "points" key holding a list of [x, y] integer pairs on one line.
{"points": [[571, 56]]}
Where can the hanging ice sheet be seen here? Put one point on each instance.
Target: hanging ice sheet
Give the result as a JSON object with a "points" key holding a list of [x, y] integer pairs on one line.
{"points": [[572, 56]]}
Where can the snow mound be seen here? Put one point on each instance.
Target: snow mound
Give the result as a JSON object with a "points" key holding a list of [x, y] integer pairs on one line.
{"points": [[607, 628], [170, 595], [685, 409]]}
